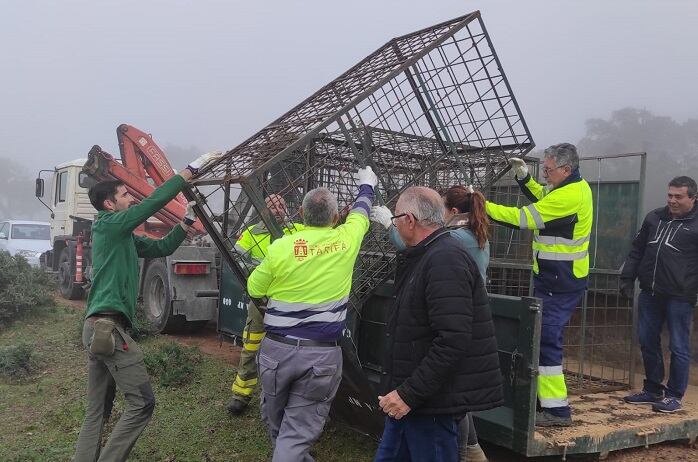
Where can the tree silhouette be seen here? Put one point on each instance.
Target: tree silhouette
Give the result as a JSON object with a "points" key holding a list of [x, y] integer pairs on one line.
{"points": [[17, 199], [672, 147]]}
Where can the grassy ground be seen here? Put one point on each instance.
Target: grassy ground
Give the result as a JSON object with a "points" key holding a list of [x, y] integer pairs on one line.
{"points": [[40, 417]]}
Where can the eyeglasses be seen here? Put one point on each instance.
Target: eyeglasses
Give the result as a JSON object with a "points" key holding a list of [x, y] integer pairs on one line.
{"points": [[547, 170], [394, 217]]}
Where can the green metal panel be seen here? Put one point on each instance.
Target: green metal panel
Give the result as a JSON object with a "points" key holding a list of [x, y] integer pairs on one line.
{"points": [[517, 323], [616, 206], [232, 303]]}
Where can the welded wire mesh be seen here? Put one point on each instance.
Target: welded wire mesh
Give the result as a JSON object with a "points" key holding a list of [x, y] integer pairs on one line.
{"points": [[598, 338], [429, 108]]}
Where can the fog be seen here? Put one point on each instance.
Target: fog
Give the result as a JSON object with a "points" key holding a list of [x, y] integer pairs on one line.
{"points": [[208, 74]]}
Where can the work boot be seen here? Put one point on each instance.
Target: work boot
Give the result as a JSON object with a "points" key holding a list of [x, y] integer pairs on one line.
{"points": [[473, 453], [236, 407], [546, 419]]}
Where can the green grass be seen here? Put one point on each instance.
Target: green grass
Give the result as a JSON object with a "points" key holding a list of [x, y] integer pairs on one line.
{"points": [[40, 416]]}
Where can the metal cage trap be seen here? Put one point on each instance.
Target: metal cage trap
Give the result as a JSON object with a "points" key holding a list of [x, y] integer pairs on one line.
{"points": [[431, 108]]}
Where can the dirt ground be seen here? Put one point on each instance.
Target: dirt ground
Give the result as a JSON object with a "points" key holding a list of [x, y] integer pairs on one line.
{"points": [[209, 342]]}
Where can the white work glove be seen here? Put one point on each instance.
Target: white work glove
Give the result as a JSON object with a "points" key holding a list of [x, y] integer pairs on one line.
{"points": [[204, 160], [381, 214], [366, 176], [189, 215], [519, 167], [190, 211]]}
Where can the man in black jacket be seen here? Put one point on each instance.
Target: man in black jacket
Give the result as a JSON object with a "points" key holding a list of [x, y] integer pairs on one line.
{"points": [[441, 356], [664, 257]]}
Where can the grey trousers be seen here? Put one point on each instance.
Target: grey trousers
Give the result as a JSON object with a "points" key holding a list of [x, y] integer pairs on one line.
{"points": [[126, 371], [298, 386]]}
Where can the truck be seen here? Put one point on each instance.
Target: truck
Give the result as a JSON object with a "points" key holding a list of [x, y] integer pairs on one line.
{"points": [[176, 293]]}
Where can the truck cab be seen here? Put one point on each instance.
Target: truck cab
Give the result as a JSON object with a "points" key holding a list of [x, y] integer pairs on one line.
{"points": [[68, 199]]}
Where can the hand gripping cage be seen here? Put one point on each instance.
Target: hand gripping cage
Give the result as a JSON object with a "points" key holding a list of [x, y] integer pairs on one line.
{"points": [[430, 108]]}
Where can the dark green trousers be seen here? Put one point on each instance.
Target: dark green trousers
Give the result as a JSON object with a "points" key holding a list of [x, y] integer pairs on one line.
{"points": [[246, 377], [126, 371]]}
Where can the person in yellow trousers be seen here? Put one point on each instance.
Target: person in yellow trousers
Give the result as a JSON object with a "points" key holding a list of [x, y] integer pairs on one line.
{"points": [[560, 215], [253, 243]]}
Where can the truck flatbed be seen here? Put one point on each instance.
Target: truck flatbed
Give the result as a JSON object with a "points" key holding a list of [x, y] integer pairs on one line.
{"points": [[603, 422]]}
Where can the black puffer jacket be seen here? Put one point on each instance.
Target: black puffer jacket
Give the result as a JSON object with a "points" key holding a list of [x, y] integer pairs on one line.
{"points": [[441, 353], [664, 254]]}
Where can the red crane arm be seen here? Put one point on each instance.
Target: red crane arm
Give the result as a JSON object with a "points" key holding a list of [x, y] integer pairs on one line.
{"points": [[142, 159]]}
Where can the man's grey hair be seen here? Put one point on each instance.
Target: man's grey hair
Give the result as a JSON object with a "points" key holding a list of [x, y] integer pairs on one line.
{"points": [[319, 207], [563, 154], [425, 204]]}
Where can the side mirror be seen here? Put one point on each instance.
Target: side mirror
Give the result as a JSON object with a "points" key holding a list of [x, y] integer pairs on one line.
{"points": [[3, 236], [86, 181], [39, 187]]}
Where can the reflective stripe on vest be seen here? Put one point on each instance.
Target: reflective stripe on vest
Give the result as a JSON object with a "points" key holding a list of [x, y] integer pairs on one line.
{"points": [[537, 218], [561, 256], [554, 240], [286, 321], [294, 307]]}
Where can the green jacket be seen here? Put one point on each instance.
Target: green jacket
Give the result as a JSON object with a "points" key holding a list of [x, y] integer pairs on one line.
{"points": [[115, 251]]}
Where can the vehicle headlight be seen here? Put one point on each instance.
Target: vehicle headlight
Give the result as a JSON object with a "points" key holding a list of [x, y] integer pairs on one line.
{"points": [[29, 253]]}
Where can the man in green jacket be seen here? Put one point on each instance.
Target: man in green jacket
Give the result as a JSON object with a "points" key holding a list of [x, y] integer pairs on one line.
{"points": [[114, 358]]}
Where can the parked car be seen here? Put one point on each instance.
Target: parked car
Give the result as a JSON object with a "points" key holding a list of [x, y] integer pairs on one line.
{"points": [[26, 238]]}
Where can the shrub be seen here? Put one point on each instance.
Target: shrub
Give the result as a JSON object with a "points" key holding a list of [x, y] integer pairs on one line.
{"points": [[17, 361], [22, 287], [171, 363]]}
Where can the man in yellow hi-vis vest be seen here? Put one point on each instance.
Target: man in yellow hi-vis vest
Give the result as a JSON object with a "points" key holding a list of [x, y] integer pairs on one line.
{"points": [[561, 216], [307, 278], [253, 244]]}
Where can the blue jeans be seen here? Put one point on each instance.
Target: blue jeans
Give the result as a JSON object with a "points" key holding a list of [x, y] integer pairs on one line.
{"points": [[419, 438], [654, 309]]}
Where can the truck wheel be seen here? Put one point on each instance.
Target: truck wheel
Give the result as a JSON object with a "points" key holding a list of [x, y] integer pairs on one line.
{"points": [[157, 306], [66, 279]]}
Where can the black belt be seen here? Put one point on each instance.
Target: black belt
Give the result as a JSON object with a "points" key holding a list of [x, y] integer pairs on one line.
{"points": [[299, 341]]}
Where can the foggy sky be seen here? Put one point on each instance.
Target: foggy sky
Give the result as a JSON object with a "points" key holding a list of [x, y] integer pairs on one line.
{"points": [[211, 73]]}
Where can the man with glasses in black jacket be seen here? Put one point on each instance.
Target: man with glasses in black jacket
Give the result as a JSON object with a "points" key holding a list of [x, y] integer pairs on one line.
{"points": [[441, 358]]}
